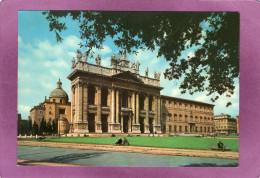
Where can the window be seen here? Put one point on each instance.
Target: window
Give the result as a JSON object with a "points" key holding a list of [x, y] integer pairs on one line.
{"points": [[50, 120], [39, 119], [201, 120], [170, 104], [175, 105], [170, 128], [191, 107], [180, 117], [54, 100], [175, 117], [60, 100], [175, 128], [205, 129], [186, 106], [180, 128], [180, 106], [208, 129], [49, 107], [170, 117], [196, 108], [201, 129], [186, 129], [186, 118], [49, 112], [40, 112], [196, 129], [61, 111]]}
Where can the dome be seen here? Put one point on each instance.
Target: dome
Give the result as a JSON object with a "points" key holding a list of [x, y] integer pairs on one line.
{"points": [[58, 92]]}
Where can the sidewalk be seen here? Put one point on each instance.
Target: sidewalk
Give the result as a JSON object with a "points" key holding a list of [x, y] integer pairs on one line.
{"points": [[136, 149]]}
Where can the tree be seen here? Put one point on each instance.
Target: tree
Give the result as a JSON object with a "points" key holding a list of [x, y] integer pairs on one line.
{"points": [[54, 127], [29, 129], [43, 126], [49, 128], [213, 36], [35, 129]]}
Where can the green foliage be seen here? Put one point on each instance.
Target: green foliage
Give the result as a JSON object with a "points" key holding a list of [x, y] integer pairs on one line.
{"points": [[164, 142], [35, 129], [43, 127], [30, 129], [54, 127], [214, 66]]}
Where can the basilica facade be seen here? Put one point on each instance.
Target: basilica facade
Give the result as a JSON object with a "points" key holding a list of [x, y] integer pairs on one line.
{"points": [[117, 99]]}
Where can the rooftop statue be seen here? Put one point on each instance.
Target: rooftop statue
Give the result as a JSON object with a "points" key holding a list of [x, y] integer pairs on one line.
{"points": [[133, 65], [73, 62], [146, 72], [98, 60], [113, 57], [137, 65], [79, 55], [158, 75], [85, 57], [124, 54], [155, 75]]}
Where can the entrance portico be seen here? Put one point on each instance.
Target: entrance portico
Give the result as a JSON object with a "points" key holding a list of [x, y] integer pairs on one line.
{"points": [[114, 100]]}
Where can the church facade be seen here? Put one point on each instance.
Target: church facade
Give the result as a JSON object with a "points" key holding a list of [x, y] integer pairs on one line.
{"points": [[117, 99]]}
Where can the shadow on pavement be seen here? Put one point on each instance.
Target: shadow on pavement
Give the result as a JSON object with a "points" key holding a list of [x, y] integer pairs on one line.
{"points": [[73, 157], [211, 165]]}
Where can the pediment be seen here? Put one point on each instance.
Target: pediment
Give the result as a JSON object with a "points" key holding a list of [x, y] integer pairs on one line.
{"points": [[128, 76]]}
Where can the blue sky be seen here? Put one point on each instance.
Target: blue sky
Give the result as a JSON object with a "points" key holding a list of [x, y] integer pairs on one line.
{"points": [[42, 61]]}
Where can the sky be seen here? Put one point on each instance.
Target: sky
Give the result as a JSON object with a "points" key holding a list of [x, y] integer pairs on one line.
{"points": [[42, 61]]}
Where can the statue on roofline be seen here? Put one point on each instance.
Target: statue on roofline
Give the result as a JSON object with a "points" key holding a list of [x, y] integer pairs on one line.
{"points": [[146, 72], [98, 60], [158, 75], [155, 75], [124, 54], [137, 65], [133, 65], [79, 55], [73, 62], [85, 57]]}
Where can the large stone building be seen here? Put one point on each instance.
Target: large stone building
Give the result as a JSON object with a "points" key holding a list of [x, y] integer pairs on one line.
{"points": [[57, 108], [186, 116], [224, 124], [120, 100]]}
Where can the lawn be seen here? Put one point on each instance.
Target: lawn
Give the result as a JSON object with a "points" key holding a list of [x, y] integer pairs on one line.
{"points": [[165, 142]]}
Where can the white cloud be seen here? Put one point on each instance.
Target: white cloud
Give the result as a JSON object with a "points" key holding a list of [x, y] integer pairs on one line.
{"points": [[55, 73], [47, 85], [105, 50], [175, 92], [23, 108], [72, 42], [59, 64], [201, 98]]}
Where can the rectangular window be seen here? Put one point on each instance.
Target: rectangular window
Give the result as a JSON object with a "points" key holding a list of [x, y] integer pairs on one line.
{"points": [[61, 111], [186, 129], [40, 119], [180, 128], [49, 119], [49, 112], [49, 107], [170, 128], [201, 129]]}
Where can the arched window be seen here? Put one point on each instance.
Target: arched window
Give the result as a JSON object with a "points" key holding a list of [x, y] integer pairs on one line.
{"points": [[196, 118], [180, 117], [170, 117], [175, 105], [175, 117], [186, 118], [201, 120]]}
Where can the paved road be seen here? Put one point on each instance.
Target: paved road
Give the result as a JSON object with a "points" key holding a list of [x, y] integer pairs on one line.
{"points": [[116, 159]]}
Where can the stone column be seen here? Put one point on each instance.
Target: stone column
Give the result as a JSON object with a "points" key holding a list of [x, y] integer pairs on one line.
{"points": [[117, 105], [79, 103], [72, 103], [85, 107], [85, 102], [146, 107], [129, 100], [137, 108], [112, 107], [99, 110]]}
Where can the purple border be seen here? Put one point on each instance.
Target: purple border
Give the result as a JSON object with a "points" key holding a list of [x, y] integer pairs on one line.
{"points": [[249, 87]]}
